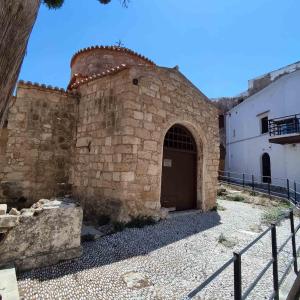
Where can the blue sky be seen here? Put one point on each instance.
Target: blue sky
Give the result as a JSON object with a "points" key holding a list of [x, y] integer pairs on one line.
{"points": [[218, 44]]}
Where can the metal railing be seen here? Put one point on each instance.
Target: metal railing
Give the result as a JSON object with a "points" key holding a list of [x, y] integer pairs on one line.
{"points": [[284, 125], [272, 186], [236, 260]]}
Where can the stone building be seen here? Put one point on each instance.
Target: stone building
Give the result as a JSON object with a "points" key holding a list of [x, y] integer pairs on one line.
{"points": [[126, 138]]}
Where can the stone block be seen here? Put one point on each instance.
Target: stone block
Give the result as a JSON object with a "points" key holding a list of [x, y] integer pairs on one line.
{"points": [[152, 169], [138, 115], [132, 140], [150, 145], [8, 221], [49, 235], [3, 209], [82, 142], [127, 176], [14, 212]]}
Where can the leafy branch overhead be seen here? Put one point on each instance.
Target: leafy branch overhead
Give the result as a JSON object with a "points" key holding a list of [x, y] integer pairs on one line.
{"points": [[55, 4]]}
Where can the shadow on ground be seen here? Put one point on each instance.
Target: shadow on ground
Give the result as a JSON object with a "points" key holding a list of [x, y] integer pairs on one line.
{"points": [[129, 243]]}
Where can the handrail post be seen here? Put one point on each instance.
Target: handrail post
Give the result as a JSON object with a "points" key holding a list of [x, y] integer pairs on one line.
{"points": [[294, 241], [252, 182], [275, 262], [269, 189], [237, 276], [243, 180], [288, 188]]}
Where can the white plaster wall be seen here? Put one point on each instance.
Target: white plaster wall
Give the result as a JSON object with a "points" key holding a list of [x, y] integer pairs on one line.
{"points": [[245, 148]]}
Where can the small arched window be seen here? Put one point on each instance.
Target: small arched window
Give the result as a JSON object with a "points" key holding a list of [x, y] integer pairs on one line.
{"points": [[180, 138]]}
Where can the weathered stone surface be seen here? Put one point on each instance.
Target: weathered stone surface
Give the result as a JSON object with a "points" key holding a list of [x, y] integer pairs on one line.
{"points": [[8, 221], [27, 212], [37, 154], [14, 212], [132, 122], [44, 235], [3, 209], [104, 145]]}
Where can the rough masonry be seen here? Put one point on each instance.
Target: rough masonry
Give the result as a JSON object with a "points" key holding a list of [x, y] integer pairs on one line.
{"points": [[102, 140], [42, 235]]}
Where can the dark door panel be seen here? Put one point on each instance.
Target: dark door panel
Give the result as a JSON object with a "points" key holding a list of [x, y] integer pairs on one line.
{"points": [[179, 179]]}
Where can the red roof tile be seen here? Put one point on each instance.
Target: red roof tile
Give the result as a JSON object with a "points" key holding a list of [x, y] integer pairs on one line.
{"points": [[114, 48], [74, 84]]}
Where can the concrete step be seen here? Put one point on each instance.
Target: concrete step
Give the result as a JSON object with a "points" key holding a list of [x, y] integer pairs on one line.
{"points": [[8, 283]]}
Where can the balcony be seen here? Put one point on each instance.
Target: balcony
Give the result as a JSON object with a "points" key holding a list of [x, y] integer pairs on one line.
{"points": [[285, 130]]}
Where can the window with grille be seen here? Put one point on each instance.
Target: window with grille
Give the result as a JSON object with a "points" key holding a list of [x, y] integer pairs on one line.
{"points": [[180, 138]]}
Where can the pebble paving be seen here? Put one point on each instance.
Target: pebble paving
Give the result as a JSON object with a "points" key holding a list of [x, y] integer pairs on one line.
{"points": [[172, 257]]}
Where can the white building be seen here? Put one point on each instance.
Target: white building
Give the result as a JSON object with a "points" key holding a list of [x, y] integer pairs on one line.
{"points": [[263, 132]]}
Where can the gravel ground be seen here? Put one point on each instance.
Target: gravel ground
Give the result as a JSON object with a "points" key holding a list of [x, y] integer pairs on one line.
{"points": [[163, 261]]}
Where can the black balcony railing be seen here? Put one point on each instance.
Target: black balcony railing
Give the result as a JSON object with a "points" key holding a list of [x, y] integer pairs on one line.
{"points": [[284, 125]]}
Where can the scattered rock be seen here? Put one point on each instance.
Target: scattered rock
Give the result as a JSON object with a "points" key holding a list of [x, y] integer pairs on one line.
{"points": [[256, 228], [3, 209], [136, 280], [27, 212], [14, 212], [43, 201]]}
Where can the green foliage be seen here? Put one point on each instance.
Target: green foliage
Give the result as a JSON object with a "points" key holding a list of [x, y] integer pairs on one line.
{"points": [[53, 4], [104, 1], [273, 215], [222, 239], [237, 198]]}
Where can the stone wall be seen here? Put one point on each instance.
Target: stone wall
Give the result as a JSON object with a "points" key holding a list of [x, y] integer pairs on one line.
{"points": [[105, 145], [121, 129], [99, 149], [42, 235], [41, 134]]}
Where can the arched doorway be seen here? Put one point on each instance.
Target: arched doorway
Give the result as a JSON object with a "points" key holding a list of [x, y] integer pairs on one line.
{"points": [[179, 170], [266, 168]]}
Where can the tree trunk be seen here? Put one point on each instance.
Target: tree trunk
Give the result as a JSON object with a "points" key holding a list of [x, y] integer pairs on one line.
{"points": [[17, 18]]}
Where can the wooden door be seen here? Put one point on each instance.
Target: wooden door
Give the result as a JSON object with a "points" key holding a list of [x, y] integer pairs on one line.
{"points": [[179, 170]]}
